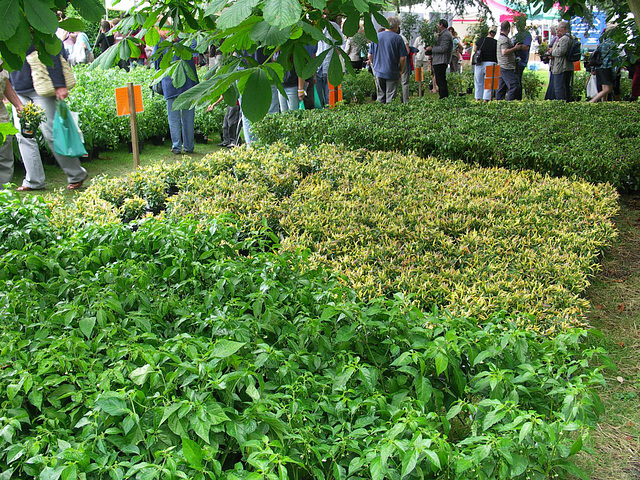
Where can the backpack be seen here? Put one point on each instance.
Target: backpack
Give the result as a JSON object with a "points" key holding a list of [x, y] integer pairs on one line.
{"points": [[595, 60], [575, 52]]}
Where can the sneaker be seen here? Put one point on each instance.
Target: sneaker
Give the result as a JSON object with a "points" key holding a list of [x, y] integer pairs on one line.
{"points": [[223, 144], [231, 145], [176, 152]]}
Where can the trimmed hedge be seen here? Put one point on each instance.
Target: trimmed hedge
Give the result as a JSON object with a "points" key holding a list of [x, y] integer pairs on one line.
{"points": [[178, 350], [599, 143], [470, 239], [94, 99]]}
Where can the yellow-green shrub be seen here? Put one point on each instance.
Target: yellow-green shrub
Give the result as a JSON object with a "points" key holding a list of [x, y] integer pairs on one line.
{"points": [[474, 240]]}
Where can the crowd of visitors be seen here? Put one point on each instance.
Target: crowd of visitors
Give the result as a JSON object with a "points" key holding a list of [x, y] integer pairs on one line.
{"points": [[391, 61]]}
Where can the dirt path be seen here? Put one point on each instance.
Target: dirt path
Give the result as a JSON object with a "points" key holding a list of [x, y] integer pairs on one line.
{"points": [[615, 297]]}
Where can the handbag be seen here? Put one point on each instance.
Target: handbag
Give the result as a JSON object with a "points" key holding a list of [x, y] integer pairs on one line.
{"points": [[42, 83], [592, 87], [66, 139], [478, 54]]}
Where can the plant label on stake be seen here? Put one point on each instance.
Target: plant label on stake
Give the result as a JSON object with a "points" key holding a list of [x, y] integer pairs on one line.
{"points": [[129, 102]]}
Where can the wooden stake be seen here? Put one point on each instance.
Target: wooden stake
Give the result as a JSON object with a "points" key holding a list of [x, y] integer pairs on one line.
{"points": [[134, 126]]}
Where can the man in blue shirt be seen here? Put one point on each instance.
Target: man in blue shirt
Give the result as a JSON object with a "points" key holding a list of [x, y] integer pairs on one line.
{"points": [[388, 59]]}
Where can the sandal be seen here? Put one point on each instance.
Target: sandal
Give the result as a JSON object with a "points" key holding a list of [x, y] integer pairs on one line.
{"points": [[24, 188]]}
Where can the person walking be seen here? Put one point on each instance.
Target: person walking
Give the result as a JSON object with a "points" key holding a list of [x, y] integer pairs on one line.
{"points": [[104, 40], [608, 53], [388, 60], [442, 57], [23, 85], [506, 54], [487, 47], [6, 148], [561, 67], [181, 122]]}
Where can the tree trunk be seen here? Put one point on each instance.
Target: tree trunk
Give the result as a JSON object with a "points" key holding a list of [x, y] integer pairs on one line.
{"points": [[634, 6]]}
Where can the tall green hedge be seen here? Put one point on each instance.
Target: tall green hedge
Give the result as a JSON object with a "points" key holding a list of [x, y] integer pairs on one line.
{"points": [[94, 99], [599, 143]]}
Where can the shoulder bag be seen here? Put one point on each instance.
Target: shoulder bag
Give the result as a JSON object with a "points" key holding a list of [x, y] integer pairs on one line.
{"points": [[42, 83], [478, 55]]}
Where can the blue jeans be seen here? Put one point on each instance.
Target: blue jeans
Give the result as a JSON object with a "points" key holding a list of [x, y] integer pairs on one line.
{"points": [[249, 136], [322, 85], [508, 84], [181, 126], [291, 101]]}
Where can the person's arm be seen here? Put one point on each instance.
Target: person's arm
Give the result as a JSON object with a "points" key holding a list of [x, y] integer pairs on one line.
{"points": [[507, 51], [403, 62], [12, 96], [445, 44], [301, 93]]}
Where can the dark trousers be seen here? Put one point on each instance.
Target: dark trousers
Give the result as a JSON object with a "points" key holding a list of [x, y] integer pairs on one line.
{"points": [[560, 85], [508, 85], [230, 125], [440, 72], [519, 72]]}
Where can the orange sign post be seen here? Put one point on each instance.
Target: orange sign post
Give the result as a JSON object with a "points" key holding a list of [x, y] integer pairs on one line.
{"points": [[419, 79], [335, 95], [129, 102], [491, 78]]}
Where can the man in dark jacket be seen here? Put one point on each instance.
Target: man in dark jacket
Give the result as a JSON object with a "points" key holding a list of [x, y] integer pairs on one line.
{"points": [[23, 85], [442, 57]]}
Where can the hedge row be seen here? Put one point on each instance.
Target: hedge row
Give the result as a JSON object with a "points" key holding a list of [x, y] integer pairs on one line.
{"points": [[178, 350], [472, 240], [94, 99], [599, 143]]}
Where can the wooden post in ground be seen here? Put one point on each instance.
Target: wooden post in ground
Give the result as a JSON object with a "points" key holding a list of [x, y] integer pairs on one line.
{"points": [[134, 126]]}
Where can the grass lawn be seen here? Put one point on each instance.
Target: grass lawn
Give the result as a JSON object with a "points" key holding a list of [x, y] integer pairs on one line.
{"points": [[615, 298], [112, 163]]}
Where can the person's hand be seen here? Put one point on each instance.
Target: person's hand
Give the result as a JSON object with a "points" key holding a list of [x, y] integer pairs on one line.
{"points": [[301, 94], [428, 49], [62, 93]]}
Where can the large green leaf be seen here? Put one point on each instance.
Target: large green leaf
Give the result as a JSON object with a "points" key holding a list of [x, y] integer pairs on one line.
{"points": [[72, 25], [112, 403], [9, 18], [351, 25], [192, 452], [256, 99], [6, 129], [225, 348], [236, 14], [335, 73], [91, 10], [267, 34], [139, 375], [282, 13], [40, 16], [311, 67], [21, 40]]}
